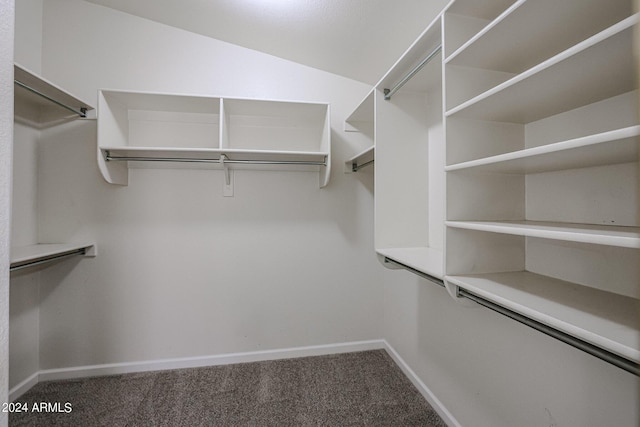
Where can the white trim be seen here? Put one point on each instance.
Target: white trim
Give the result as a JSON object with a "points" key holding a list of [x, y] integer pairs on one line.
{"points": [[191, 362], [23, 387], [435, 403]]}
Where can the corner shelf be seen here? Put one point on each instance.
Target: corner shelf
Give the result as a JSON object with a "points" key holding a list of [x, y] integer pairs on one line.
{"points": [[40, 103], [138, 129], [34, 255]]}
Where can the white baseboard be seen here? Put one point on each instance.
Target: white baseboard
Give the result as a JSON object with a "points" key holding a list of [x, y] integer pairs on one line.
{"points": [[190, 362], [23, 387], [435, 403]]}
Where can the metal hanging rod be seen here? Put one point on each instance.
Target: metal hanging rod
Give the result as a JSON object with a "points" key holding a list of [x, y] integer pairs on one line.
{"points": [[355, 167], [388, 93], [109, 157], [52, 258], [585, 346], [429, 277], [82, 112]]}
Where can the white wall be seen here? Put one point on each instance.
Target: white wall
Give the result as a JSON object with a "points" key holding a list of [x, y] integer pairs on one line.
{"points": [[181, 270], [6, 143]]}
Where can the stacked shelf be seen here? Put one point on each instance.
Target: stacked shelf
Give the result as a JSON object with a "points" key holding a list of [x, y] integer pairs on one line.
{"points": [[542, 164], [153, 130]]}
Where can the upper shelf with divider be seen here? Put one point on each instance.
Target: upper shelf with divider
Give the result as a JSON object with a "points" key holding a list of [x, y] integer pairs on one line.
{"points": [[160, 129], [40, 103]]}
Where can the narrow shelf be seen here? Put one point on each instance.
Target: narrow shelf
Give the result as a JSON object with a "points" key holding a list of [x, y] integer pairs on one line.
{"points": [[624, 237], [607, 320], [558, 84], [491, 49], [613, 147], [40, 103], [426, 260], [360, 160], [32, 255]]}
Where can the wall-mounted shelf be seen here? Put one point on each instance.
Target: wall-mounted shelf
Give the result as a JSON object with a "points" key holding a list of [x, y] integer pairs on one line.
{"points": [[154, 130], [44, 253], [360, 160], [40, 103]]}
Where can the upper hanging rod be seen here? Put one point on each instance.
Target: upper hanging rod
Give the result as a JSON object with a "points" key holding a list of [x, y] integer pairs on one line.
{"points": [[109, 157], [82, 112], [355, 167], [48, 259], [578, 343], [388, 93]]}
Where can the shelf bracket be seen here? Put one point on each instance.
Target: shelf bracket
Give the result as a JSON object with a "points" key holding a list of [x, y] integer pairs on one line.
{"points": [[228, 177]]}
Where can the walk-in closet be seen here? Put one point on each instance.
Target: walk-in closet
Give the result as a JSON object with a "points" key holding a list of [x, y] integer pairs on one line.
{"points": [[270, 212]]}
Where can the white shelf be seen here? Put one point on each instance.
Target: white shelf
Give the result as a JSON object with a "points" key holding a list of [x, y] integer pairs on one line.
{"points": [[366, 157], [362, 115], [426, 260], [605, 319], [624, 237], [23, 256], [490, 49], [575, 77], [156, 130], [38, 111], [613, 147]]}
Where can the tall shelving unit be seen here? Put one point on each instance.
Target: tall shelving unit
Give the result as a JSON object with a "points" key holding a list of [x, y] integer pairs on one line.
{"points": [[524, 125], [542, 165]]}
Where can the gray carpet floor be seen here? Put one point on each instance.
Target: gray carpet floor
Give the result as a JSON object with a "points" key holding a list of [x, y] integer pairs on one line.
{"points": [[353, 389]]}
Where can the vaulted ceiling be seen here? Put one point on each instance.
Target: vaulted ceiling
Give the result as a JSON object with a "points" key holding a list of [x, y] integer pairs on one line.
{"points": [[359, 39]]}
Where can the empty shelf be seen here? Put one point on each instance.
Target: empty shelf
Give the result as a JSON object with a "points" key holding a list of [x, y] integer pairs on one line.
{"points": [[616, 146], [624, 237]]}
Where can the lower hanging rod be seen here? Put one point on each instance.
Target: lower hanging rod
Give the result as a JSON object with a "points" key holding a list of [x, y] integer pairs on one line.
{"points": [[356, 167], [388, 93], [82, 112], [109, 157], [587, 347], [52, 258]]}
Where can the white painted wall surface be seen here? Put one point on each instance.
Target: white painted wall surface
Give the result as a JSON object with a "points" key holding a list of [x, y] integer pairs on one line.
{"points": [[6, 143], [28, 34], [181, 270]]}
